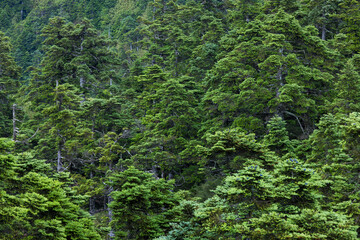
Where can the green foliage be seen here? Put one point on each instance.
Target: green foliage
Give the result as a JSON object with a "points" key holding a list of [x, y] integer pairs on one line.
{"points": [[9, 83], [264, 74], [310, 224], [334, 148], [350, 14], [34, 206], [143, 206], [217, 97], [346, 88], [229, 150], [277, 138], [257, 203]]}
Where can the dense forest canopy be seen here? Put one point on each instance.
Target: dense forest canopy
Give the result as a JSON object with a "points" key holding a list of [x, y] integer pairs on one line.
{"points": [[169, 120]]}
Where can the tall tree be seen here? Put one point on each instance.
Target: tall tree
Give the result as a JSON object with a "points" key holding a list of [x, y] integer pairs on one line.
{"points": [[169, 115], [78, 64], [274, 69], [9, 83]]}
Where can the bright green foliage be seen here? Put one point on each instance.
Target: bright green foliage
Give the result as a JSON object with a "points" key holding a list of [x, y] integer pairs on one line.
{"points": [[229, 150], [251, 189], [12, 214], [335, 149], [256, 203], [297, 186], [7, 160], [34, 206], [310, 224], [142, 206], [347, 88], [277, 138]]}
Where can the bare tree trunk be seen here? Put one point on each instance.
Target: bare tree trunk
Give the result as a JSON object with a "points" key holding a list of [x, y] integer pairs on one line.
{"points": [[81, 81], [14, 122], [59, 164], [109, 200], [22, 10], [323, 32], [91, 200], [110, 213]]}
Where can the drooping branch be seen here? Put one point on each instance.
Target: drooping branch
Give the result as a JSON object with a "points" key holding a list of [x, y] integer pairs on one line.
{"points": [[297, 118]]}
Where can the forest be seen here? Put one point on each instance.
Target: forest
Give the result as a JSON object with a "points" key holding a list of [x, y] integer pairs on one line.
{"points": [[179, 119]]}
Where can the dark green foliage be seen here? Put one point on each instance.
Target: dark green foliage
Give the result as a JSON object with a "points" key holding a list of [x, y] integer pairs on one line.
{"points": [[265, 71], [179, 119], [9, 83]]}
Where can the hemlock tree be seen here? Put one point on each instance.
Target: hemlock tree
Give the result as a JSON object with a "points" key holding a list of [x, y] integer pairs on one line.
{"points": [[143, 206], [77, 64], [34, 206], [335, 149], [256, 203], [277, 67], [169, 118], [347, 88]]}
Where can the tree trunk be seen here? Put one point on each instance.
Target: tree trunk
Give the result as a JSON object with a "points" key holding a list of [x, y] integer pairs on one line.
{"points": [[110, 213], [323, 32], [91, 200], [14, 122], [59, 164]]}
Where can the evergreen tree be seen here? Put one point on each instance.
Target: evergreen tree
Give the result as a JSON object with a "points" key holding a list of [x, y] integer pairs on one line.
{"points": [[74, 56], [169, 117], [34, 206], [346, 87], [270, 71], [143, 206], [9, 82], [334, 148]]}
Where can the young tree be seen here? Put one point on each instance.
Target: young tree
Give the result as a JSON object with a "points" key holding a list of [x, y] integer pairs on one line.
{"points": [[32, 205], [143, 206]]}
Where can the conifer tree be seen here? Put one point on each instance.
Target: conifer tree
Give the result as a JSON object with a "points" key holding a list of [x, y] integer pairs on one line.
{"points": [[169, 115], [36, 206], [270, 71], [78, 64], [9, 83], [346, 87], [143, 206], [334, 148]]}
